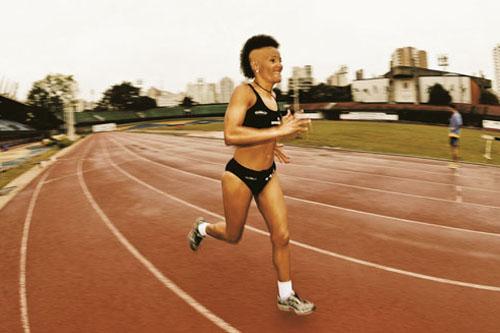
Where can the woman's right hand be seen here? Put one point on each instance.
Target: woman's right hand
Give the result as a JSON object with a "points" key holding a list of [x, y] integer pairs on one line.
{"points": [[291, 125]]}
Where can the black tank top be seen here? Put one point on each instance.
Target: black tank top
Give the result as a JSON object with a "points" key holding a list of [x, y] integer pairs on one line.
{"points": [[260, 116]]}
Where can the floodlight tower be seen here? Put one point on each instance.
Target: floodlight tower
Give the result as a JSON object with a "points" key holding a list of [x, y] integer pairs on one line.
{"points": [[443, 61], [296, 102]]}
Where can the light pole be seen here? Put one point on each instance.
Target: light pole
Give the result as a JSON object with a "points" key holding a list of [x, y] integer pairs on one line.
{"points": [[296, 103]]}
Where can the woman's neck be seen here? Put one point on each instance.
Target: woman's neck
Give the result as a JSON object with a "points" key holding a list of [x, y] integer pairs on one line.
{"points": [[266, 86]]}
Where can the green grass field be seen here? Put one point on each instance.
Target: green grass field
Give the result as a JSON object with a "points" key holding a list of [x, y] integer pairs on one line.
{"points": [[389, 138]]}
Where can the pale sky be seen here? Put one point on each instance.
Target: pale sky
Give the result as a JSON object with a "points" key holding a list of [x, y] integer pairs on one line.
{"points": [[169, 44]]}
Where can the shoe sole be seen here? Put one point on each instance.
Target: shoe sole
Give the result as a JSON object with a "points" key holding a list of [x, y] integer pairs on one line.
{"points": [[191, 243], [287, 308], [190, 235]]}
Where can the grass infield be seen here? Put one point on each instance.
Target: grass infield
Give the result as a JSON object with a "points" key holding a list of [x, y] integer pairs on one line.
{"points": [[10, 174]]}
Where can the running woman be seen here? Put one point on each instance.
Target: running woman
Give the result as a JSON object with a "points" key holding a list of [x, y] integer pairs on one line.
{"points": [[254, 125]]}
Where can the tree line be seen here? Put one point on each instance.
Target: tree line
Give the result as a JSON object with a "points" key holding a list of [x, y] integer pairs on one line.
{"points": [[56, 92]]}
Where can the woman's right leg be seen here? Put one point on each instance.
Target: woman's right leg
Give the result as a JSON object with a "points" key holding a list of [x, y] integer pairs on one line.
{"points": [[236, 197]]}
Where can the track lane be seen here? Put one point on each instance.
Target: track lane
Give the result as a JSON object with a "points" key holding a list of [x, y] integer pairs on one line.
{"points": [[190, 189], [81, 279], [416, 165], [320, 172], [452, 214], [351, 297], [152, 177]]}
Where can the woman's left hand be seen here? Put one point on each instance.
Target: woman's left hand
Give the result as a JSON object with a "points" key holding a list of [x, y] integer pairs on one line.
{"points": [[280, 154]]}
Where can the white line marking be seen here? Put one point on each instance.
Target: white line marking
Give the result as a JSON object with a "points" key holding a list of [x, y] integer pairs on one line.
{"points": [[55, 179], [357, 186], [349, 171], [149, 266], [459, 193], [396, 219], [343, 158], [312, 248], [23, 298]]}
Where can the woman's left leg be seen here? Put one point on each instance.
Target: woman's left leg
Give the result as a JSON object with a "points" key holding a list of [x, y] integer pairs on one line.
{"points": [[271, 203]]}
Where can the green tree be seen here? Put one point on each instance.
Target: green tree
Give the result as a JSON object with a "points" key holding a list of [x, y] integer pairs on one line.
{"points": [[488, 97], [438, 95], [187, 102], [280, 96], [120, 97], [143, 103], [54, 93], [326, 93]]}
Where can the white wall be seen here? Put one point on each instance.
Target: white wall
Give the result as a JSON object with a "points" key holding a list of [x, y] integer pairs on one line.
{"points": [[459, 87], [371, 91], [376, 90], [404, 91]]}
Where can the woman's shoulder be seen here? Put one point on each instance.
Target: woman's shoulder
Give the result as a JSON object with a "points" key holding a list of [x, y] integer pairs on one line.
{"points": [[243, 92], [243, 88]]}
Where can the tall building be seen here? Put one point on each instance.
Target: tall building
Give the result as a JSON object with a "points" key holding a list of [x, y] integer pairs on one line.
{"points": [[226, 86], [359, 74], [202, 92], [496, 60], [301, 76], [164, 98], [8, 88], [409, 56], [339, 79]]}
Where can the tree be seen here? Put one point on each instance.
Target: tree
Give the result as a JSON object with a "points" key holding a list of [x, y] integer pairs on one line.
{"points": [[488, 97], [438, 95], [280, 97], [54, 93], [187, 102], [143, 103], [326, 93], [119, 97]]}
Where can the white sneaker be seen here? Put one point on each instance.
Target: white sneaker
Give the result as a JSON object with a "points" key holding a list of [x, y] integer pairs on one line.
{"points": [[294, 303]]}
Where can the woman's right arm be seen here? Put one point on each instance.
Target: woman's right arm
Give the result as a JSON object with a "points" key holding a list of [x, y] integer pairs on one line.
{"points": [[237, 134]]}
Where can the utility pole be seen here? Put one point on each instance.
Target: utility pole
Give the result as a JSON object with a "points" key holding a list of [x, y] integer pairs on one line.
{"points": [[70, 122], [415, 80], [296, 103], [443, 63]]}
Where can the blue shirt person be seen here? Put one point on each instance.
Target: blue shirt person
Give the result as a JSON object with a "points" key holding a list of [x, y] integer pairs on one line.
{"points": [[454, 135]]}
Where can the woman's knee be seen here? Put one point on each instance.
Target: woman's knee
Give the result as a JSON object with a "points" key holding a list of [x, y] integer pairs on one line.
{"points": [[280, 238], [233, 239]]}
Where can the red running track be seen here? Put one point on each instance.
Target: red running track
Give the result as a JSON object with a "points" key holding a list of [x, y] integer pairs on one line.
{"points": [[97, 243]]}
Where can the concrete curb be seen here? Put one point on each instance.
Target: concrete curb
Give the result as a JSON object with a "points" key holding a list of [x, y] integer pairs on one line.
{"points": [[25, 179]]}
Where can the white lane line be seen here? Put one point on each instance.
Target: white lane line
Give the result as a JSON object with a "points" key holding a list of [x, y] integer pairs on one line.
{"points": [[356, 186], [149, 266], [459, 193], [55, 179], [313, 248], [394, 219], [23, 298], [345, 170], [355, 159]]}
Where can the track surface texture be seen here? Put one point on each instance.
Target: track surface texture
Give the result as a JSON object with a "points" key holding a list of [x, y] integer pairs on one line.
{"points": [[97, 243]]}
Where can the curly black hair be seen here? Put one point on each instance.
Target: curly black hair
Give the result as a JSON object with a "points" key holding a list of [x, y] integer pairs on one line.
{"points": [[255, 42]]}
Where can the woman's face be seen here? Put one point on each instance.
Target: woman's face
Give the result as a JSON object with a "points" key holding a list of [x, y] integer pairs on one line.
{"points": [[266, 64]]}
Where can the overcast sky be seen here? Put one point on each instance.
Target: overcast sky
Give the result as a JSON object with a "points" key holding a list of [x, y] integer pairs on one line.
{"points": [[168, 43]]}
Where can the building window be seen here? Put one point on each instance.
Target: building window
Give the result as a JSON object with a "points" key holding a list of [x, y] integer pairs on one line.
{"points": [[405, 85]]}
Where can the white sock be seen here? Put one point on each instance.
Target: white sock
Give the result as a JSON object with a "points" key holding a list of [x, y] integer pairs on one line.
{"points": [[285, 289], [202, 228]]}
